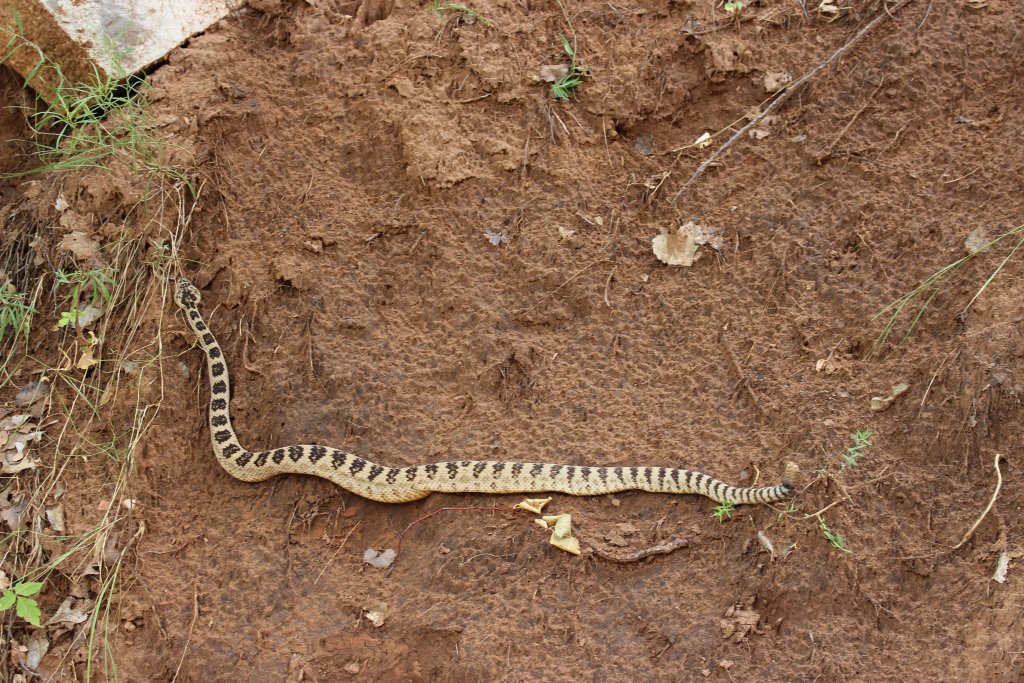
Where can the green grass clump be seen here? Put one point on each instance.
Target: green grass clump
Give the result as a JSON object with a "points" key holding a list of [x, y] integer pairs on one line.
{"points": [[88, 124], [930, 287], [15, 313], [565, 87]]}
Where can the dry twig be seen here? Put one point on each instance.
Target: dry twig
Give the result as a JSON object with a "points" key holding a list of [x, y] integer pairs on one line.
{"points": [[788, 92]]}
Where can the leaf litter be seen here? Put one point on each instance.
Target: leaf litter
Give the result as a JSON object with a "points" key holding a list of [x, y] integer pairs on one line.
{"points": [[680, 248]]}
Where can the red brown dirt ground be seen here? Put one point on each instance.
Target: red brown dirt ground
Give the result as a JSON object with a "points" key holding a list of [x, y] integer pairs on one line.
{"points": [[353, 169]]}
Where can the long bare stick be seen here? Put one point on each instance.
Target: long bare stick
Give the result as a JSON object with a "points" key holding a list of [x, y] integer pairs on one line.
{"points": [[784, 95]]}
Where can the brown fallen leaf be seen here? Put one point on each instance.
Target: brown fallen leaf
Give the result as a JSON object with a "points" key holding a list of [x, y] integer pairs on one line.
{"points": [[87, 359], [15, 467], [12, 508], [82, 246], [31, 393], [377, 615], [55, 518]]}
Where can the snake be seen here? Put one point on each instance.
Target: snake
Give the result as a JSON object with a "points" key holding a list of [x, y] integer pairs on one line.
{"points": [[404, 484]]}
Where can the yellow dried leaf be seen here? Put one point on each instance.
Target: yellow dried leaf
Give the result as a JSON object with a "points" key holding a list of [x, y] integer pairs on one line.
{"points": [[87, 359], [534, 505], [569, 545], [561, 533]]}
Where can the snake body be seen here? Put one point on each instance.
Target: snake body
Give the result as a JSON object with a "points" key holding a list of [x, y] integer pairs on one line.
{"points": [[403, 484]]}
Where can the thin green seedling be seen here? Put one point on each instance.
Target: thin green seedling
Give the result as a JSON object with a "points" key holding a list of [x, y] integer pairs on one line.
{"points": [[853, 454], [790, 509], [833, 537], [464, 13], [16, 42], [724, 511], [96, 281], [565, 87], [15, 313], [19, 596], [734, 6], [929, 287]]}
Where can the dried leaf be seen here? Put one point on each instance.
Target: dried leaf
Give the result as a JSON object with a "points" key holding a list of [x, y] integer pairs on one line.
{"points": [[12, 508], [14, 468], [496, 238], [12, 422], [551, 73], [377, 615], [32, 392], [87, 315], [380, 560], [87, 359], [71, 612], [1002, 567], [678, 248], [568, 544], [37, 647], [82, 246], [534, 505], [975, 242], [561, 533], [55, 518]]}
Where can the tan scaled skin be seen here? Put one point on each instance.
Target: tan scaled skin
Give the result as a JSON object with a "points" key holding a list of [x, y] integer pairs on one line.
{"points": [[403, 484]]}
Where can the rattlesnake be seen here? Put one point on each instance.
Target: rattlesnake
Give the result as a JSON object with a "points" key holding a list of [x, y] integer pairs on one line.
{"points": [[402, 484]]}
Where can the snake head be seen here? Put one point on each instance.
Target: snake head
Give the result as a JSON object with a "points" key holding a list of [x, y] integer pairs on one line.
{"points": [[186, 294]]}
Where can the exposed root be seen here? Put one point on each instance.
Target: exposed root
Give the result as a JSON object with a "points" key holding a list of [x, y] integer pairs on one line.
{"points": [[991, 502], [970, 532], [660, 549]]}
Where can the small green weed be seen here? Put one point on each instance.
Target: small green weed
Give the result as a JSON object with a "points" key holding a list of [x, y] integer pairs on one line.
{"points": [[464, 13], [97, 282], [724, 511], [834, 537], [735, 6], [15, 312], [565, 87], [853, 454], [19, 596], [790, 509]]}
